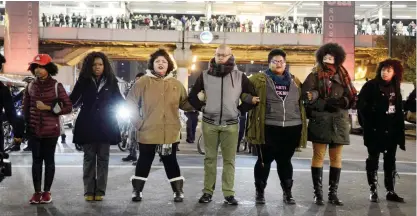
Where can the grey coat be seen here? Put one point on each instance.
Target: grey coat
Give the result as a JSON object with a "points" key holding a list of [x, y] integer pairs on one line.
{"points": [[325, 127]]}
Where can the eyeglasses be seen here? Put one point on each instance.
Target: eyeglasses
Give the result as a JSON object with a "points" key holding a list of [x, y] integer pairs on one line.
{"points": [[222, 55], [278, 62]]}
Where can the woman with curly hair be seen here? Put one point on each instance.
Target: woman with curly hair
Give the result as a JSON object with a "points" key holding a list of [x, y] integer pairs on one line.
{"points": [[155, 100], [44, 101], [329, 94], [382, 118], [96, 127]]}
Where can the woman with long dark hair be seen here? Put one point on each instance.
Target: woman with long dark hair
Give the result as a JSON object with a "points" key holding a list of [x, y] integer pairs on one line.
{"points": [[329, 94], [44, 101], [96, 127], [155, 100], [382, 118]]}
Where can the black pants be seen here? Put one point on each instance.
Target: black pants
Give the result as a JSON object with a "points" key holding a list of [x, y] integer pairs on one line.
{"points": [[146, 156], [43, 149], [242, 127], [191, 125], [389, 158], [280, 145]]}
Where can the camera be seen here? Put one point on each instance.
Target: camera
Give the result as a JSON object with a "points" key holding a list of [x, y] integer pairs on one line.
{"points": [[5, 166]]}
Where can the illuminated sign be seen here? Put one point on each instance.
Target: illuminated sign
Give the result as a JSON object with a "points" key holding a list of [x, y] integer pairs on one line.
{"points": [[206, 37]]}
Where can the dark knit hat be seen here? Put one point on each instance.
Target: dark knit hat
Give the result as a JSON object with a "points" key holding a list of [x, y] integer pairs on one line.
{"points": [[276, 52]]}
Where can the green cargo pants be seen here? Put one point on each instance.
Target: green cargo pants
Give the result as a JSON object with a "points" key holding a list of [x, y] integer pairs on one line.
{"points": [[227, 137]]}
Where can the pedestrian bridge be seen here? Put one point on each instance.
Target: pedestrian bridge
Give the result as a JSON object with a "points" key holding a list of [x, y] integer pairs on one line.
{"points": [[171, 36]]}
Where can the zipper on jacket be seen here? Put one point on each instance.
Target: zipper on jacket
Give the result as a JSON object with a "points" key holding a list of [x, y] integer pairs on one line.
{"points": [[221, 103]]}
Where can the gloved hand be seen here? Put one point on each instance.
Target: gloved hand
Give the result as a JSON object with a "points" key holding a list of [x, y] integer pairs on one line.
{"points": [[402, 147], [331, 105]]}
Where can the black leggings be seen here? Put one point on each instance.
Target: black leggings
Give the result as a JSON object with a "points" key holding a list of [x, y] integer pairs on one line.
{"points": [[280, 145], [43, 149], [146, 156]]}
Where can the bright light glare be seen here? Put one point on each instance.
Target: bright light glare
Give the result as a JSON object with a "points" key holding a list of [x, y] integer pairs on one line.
{"points": [[194, 59], [193, 67], [82, 5], [282, 3], [311, 4], [123, 112], [368, 5], [360, 73]]}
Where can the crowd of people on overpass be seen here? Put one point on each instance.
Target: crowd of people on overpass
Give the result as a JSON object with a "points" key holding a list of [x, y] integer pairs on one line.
{"points": [[366, 27], [220, 23], [217, 23]]}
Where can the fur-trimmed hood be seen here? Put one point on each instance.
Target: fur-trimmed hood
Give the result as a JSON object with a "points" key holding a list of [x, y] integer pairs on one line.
{"points": [[169, 74], [335, 50]]}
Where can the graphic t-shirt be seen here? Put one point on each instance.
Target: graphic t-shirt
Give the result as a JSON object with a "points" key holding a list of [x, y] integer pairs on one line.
{"points": [[282, 90]]}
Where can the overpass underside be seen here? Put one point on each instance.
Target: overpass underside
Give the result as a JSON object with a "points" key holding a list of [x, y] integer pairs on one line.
{"points": [[71, 52]]}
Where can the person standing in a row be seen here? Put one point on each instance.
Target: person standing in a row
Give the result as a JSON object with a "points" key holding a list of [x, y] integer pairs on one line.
{"points": [[155, 100], [44, 101], [277, 125], [329, 94], [382, 118], [96, 127], [223, 85]]}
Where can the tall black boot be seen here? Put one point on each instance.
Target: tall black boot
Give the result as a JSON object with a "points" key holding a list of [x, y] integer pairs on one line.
{"points": [[373, 182], [317, 175], [334, 177], [260, 191], [389, 181], [138, 185], [286, 190], [177, 186]]}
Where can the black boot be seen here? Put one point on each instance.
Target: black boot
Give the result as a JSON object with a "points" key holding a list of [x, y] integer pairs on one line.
{"points": [[317, 175], [177, 188], [138, 185], [373, 182], [260, 191], [334, 177], [389, 185], [286, 190]]}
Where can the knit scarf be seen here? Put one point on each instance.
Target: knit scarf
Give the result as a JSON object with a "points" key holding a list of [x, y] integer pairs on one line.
{"points": [[325, 84], [284, 80], [221, 70]]}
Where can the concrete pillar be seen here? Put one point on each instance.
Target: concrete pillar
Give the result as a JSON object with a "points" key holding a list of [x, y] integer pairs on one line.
{"points": [[21, 35], [380, 18], [295, 14], [66, 76], [183, 58], [209, 6]]}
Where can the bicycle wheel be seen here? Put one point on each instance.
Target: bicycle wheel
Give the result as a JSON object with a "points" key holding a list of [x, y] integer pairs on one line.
{"points": [[200, 145]]}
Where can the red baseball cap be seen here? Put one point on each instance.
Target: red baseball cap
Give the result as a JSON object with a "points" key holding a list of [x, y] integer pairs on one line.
{"points": [[41, 59]]}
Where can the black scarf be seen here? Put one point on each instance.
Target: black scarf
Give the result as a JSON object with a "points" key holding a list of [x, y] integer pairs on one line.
{"points": [[221, 70], [158, 74]]}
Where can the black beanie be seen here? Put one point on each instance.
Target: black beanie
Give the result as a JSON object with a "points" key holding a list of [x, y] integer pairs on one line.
{"points": [[276, 52]]}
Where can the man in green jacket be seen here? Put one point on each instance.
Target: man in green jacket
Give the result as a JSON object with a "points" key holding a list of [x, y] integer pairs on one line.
{"points": [[277, 125]]}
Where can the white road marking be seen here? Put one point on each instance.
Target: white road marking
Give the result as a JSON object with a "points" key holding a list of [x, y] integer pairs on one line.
{"points": [[199, 155], [219, 168]]}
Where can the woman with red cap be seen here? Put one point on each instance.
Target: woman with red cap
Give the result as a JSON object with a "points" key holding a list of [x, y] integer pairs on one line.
{"points": [[44, 101]]}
